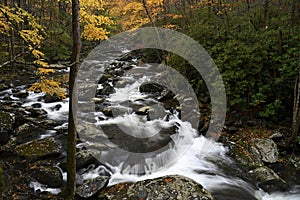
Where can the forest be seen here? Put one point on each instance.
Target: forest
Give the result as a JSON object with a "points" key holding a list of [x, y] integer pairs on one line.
{"points": [[255, 45]]}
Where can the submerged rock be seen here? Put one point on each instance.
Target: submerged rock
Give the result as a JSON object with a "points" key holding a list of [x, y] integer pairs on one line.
{"points": [[91, 187], [167, 187], [39, 148]]}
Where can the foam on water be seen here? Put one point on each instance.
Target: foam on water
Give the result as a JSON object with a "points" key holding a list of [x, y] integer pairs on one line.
{"points": [[36, 186]]}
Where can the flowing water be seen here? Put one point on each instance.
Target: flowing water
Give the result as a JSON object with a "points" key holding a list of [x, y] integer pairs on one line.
{"points": [[197, 157]]}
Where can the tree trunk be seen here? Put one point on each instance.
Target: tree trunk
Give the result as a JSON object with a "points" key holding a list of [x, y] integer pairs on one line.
{"points": [[266, 14], [73, 104], [296, 111]]}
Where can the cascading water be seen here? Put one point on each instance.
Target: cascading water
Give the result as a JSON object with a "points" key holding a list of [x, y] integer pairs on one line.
{"points": [[155, 153]]}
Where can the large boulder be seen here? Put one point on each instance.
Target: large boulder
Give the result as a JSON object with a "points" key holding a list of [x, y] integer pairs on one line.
{"points": [[39, 148], [167, 187], [267, 149]]}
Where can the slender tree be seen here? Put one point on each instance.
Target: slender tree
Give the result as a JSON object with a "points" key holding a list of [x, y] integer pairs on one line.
{"points": [[73, 104]]}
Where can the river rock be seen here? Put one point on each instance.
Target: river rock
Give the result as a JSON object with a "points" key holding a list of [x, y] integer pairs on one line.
{"points": [[38, 113], [268, 180], [48, 175], [21, 94], [167, 187], [51, 98], [267, 149], [107, 90], [6, 129], [151, 88], [91, 187], [27, 132], [102, 79], [39, 148], [83, 159], [248, 159]]}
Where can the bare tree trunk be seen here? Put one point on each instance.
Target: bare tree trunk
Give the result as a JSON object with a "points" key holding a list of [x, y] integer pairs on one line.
{"points": [[73, 104]]}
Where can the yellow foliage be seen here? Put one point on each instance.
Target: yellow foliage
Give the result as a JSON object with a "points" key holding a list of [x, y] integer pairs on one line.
{"points": [[48, 86], [132, 14], [94, 20]]}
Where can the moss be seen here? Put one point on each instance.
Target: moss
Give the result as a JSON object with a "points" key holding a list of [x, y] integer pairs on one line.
{"points": [[39, 148], [2, 184], [6, 120]]}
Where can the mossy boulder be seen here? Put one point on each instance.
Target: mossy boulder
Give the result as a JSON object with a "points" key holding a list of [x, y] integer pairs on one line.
{"points": [[39, 148], [167, 187]]}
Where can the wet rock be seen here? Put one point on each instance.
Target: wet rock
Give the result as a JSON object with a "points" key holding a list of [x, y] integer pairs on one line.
{"points": [[39, 148], [107, 90], [98, 100], [115, 111], [91, 187], [84, 158], [267, 149], [143, 110], [38, 113], [36, 105], [51, 98], [248, 159], [21, 94], [151, 88], [268, 180], [167, 187], [49, 123], [6, 129], [48, 175], [123, 136], [102, 79], [27, 132]]}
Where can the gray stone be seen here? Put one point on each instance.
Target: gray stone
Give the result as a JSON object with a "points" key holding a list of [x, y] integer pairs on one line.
{"points": [[91, 187], [167, 187], [267, 148]]}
